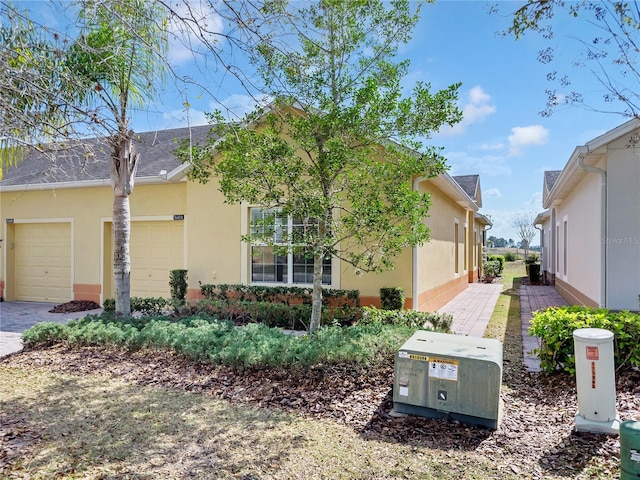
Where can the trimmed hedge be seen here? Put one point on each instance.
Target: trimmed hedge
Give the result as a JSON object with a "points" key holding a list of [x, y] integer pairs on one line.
{"points": [[555, 326], [144, 306], [499, 259], [392, 298], [286, 295], [424, 320]]}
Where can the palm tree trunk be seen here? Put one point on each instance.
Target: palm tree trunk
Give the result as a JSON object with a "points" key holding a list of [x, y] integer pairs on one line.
{"points": [[124, 164], [121, 258]]}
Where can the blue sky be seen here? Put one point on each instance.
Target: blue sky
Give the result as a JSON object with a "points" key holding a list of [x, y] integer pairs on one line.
{"points": [[502, 137]]}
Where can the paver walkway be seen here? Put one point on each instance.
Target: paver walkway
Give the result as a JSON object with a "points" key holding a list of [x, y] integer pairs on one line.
{"points": [[16, 317], [532, 298], [472, 308]]}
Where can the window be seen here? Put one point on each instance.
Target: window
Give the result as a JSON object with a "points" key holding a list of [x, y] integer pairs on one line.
{"points": [[456, 254], [565, 246], [464, 248], [269, 264]]}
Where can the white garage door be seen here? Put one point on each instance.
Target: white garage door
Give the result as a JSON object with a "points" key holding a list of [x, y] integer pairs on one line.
{"points": [[43, 262], [156, 249]]}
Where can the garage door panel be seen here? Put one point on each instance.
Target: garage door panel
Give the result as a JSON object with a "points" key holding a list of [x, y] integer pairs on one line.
{"points": [[43, 262], [156, 248]]}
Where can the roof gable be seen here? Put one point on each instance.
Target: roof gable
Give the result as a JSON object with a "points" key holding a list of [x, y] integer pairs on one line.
{"points": [[471, 186]]}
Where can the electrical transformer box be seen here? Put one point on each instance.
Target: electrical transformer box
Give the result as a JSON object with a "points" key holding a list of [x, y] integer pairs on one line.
{"points": [[438, 375]]}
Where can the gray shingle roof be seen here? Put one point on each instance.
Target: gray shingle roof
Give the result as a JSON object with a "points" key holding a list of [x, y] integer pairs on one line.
{"points": [[469, 183], [550, 177], [90, 160]]}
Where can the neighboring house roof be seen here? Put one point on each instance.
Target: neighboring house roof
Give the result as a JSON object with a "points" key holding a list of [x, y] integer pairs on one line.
{"points": [[87, 163], [550, 178], [471, 185], [589, 154]]}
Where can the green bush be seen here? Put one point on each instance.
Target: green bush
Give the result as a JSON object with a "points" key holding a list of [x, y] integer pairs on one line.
{"points": [[392, 298], [532, 258], [207, 339], [510, 257], [555, 326], [286, 295], [497, 258], [178, 285], [144, 306], [491, 269], [411, 318]]}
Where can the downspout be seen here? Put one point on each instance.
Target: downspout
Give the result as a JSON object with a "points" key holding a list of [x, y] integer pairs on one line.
{"points": [[414, 255], [583, 151]]}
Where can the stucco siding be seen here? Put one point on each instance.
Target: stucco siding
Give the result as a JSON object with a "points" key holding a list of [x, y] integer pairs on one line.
{"points": [[436, 259], [623, 234], [578, 241]]}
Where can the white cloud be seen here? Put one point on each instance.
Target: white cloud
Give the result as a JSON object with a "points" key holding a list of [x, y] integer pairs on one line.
{"points": [[477, 107], [492, 193], [534, 204], [236, 106], [492, 146], [185, 37], [462, 163], [522, 137]]}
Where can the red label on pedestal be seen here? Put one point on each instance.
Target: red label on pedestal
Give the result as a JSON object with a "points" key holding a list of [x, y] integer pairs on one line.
{"points": [[592, 353]]}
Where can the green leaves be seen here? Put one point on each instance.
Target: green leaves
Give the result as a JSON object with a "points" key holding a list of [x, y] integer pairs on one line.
{"points": [[555, 326]]}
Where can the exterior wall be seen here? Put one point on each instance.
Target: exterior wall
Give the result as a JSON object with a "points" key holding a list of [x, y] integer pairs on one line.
{"points": [[623, 226], [578, 244], [213, 240], [438, 281], [90, 211]]}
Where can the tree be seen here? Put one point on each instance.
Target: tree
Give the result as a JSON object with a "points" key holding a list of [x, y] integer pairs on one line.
{"points": [[338, 151], [523, 224], [65, 86], [609, 49]]}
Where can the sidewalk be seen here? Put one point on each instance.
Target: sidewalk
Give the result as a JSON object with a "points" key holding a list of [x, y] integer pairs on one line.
{"points": [[532, 298], [472, 308], [16, 317]]}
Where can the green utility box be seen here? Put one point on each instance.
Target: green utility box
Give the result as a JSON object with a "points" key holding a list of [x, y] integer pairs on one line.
{"points": [[438, 375], [629, 450]]}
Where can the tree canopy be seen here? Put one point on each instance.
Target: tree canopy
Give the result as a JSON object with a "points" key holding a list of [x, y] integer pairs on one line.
{"points": [[341, 144], [608, 47]]}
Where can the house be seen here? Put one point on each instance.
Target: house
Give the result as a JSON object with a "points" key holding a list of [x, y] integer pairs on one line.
{"points": [[57, 232], [591, 222]]}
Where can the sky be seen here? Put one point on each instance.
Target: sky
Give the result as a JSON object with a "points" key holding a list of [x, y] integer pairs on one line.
{"points": [[503, 137]]}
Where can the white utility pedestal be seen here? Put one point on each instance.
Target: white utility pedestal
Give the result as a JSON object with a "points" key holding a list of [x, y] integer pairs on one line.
{"points": [[595, 381]]}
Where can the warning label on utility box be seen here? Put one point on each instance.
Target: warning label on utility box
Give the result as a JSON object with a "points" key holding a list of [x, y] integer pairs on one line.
{"points": [[592, 353], [443, 369]]}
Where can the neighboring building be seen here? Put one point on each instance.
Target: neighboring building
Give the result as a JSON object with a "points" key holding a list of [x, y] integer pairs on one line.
{"points": [[57, 239], [591, 225]]}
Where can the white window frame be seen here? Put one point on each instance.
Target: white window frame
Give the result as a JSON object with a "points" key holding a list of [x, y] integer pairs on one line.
{"points": [[246, 264], [456, 246]]}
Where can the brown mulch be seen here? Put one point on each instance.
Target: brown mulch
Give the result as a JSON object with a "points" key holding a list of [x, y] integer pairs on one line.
{"points": [[535, 435], [75, 306]]}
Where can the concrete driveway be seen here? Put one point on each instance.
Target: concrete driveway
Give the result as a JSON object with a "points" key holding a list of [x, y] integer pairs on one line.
{"points": [[16, 317]]}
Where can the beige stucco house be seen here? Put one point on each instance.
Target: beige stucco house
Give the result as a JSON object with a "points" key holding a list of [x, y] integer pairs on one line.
{"points": [[57, 246], [591, 223]]}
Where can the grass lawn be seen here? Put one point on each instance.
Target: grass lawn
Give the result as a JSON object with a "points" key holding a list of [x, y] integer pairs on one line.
{"points": [[108, 414]]}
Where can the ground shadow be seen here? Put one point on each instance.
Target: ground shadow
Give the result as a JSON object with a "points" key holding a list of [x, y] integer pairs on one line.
{"points": [[88, 426]]}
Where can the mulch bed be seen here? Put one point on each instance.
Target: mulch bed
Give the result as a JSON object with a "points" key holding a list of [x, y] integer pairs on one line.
{"points": [[535, 435], [75, 306]]}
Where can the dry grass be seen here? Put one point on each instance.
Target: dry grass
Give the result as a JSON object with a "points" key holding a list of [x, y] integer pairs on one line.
{"points": [[65, 426]]}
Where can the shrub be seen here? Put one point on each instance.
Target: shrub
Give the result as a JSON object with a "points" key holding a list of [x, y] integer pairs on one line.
{"points": [[499, 259], [178, 285], [206, 339], [286, 295], [411, 318], [531, 259], [510, 257], [491, 269], [144, 306], [392, 298], [555, 326]]}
